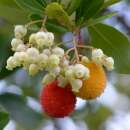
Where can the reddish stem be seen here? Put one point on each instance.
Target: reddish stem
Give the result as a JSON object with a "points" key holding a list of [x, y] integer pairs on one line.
{"points": [[80, 40]]}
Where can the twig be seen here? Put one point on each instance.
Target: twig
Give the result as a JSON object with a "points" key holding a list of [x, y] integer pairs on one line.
{"points": [[43, 24], [79, 46], [33, 22], [75, 47]]}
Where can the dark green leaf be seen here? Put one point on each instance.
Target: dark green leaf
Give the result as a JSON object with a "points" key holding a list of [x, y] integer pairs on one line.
{"points": [[54, 27], [73, 5], [88, 9], [56, 11], [4, 119], [42, 2], [51, 25], [113, 43], [101, 18], [34, 17], [5, 50], [19, 111], [30, 5]]}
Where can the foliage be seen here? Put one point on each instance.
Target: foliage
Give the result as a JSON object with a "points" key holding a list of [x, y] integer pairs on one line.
{"points": [[4, 119], [19, 111]]}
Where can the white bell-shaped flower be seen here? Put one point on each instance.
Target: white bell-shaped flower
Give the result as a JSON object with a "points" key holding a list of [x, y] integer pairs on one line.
{"points": [[33, 69], [109, 63], [32, 38], [76, 84], [53, 61], [97, 56], [50, 39], [47, 52], [21, 47], [58, 51], [41, 39], [15, 42], [81, 71], [20, 31]]}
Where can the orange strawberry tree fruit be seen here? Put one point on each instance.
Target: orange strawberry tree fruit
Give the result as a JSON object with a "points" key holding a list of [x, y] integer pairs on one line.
{"points": [[76, 70]]}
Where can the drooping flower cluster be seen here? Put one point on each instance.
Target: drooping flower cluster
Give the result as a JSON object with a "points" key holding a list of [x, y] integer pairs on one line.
{"points": [[83, 77], [41, 53]]}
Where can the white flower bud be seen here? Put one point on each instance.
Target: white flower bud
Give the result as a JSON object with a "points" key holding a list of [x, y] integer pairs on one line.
{"points": [[58, 51], [32, 38], [20, 31], [42, 61], [17, 58], [33, 69], [97, 56], [33, 54], [53, 61], [21, 47], [47, 52], [11, 63], [81, 71], [23, 57], [16, 55], [69, 73], [85, 60], [65, 63], [50, 38], [15, 42], [76, 84], [48, 78], [109, 63], [20, 56], [41, 39], [56, 70], [62, 81]]}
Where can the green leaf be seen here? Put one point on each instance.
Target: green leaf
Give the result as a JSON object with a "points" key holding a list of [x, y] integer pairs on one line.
{"points": [[109, 3], [88, 9], [54, 27], [4, 119], [73, 5], [113, 43], [55, 11], [101, 18], [31, 6], [10, 3], [9, 14], [19, 111], [97, 118], [51, 25], [42, 2], [34, 17]]}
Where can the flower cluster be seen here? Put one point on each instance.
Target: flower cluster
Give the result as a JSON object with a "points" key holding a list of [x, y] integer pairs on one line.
{"points": [[99, 58], [41, 53], [34, 55]]}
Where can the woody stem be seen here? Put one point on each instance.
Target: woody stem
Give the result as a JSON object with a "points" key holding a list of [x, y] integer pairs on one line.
{"points": [[75, 48], [33, 22], [79, 46]]}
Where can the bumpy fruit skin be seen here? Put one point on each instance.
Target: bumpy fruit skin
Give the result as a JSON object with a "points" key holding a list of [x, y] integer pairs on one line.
{"points": [[95, 85], [56, 101]]}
